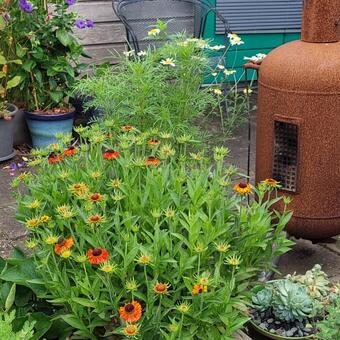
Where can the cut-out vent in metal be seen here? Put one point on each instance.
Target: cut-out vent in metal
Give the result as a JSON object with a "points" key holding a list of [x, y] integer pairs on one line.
{"points": [[285, 160]]}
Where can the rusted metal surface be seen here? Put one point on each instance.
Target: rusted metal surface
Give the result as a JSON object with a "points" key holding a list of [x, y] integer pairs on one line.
{"points": [[299, 90], [319, 21]]}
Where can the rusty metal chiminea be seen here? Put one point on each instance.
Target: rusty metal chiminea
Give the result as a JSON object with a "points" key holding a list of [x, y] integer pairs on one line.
{"points": [[298, 122]]}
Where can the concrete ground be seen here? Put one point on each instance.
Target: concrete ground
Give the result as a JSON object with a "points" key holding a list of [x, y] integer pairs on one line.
{"points": [[11, 232], [301, 258]]}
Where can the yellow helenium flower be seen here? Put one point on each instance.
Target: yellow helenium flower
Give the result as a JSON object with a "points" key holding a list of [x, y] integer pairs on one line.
{"points": [[115, 183], [131, 285], [33, 205], [144, 259], [233, 260], [30, 244], [95, 174], [243, 188], [81, 258], [66, 254], [169, 213], [44, 218], [52, 239], [173, 328], [222, 247], [107, 267], [32, 222], [183, 307]]}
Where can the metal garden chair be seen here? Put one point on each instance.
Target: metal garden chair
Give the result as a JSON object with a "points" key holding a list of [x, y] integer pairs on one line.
{"points": [[190, 16]]}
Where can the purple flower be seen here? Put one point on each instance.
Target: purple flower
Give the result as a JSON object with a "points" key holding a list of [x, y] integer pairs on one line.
{"points": [[13, 166], [89, 23], [25, 6], [80, 23], [22, 164], [70, 2], [6, 17]]}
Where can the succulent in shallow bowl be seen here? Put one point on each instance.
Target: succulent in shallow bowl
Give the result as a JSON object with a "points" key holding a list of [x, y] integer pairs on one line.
{"points": [[291, 307]]}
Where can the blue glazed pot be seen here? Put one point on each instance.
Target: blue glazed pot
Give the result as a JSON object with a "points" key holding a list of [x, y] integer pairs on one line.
{"points": [[43, 128]]}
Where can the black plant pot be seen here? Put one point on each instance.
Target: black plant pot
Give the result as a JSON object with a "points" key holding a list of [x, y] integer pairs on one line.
{"points": [[84, 113], [6, 134]]}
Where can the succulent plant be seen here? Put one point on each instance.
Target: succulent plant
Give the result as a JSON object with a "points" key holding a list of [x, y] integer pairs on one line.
{"points": [[262, 299], [315, 280], [291, 301]]}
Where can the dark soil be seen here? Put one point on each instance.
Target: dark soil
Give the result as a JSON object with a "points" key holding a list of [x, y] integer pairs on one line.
{"points": [[56, 111], [266, 320]]}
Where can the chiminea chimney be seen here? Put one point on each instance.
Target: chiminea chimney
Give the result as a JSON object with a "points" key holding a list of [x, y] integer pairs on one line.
{"points": [[320, 21]]}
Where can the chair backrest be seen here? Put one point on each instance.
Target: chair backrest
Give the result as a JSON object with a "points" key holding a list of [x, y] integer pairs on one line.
{"points": [[139, 16]]}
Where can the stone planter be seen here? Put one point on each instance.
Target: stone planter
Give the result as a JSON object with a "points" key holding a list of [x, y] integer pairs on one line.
{"points": [[6, 135]]}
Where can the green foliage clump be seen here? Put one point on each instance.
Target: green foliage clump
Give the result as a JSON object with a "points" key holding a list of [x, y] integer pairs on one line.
{"points": [[163, 86], [329, 328], [142, 218], [48, 55], [6, 328]]}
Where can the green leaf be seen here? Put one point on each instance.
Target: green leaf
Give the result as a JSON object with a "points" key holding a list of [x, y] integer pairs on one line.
{"points": [[84, 302], [75, 322], [28, 65], [15, 81], [10, 298], [57, 96], [43, 324], [3, 60], [20, 51], [64, 37], [16, 61], [2, 74]]}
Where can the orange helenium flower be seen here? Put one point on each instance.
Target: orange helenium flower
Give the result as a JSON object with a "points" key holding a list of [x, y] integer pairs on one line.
{"points": [[271, 182], [127, 128], [152, 161], [53, 158], [153, 142], [95, 197], [130, 330], [243, 188], [198, 289], [111, 154], [131, 312], [71, 151], [95, 219], [63, 244], [97, 255], [161, 288]]}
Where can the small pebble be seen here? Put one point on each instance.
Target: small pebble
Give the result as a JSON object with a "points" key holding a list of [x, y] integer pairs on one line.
{"points": [[270, 320], [272, 330], [278, 322], [262, 325], [300, 332], [294, 329]]}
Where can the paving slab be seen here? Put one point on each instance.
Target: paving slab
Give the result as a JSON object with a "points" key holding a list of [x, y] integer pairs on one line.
{"points": [[12, 232], [305, 255]]}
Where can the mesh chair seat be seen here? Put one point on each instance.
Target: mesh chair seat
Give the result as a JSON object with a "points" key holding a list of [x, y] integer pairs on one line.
{"points": [[182, 16]]}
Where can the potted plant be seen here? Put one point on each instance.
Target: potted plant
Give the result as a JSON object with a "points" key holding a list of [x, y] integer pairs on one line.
{"points": [[7, 111], [291, 308], [41, 34]]}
